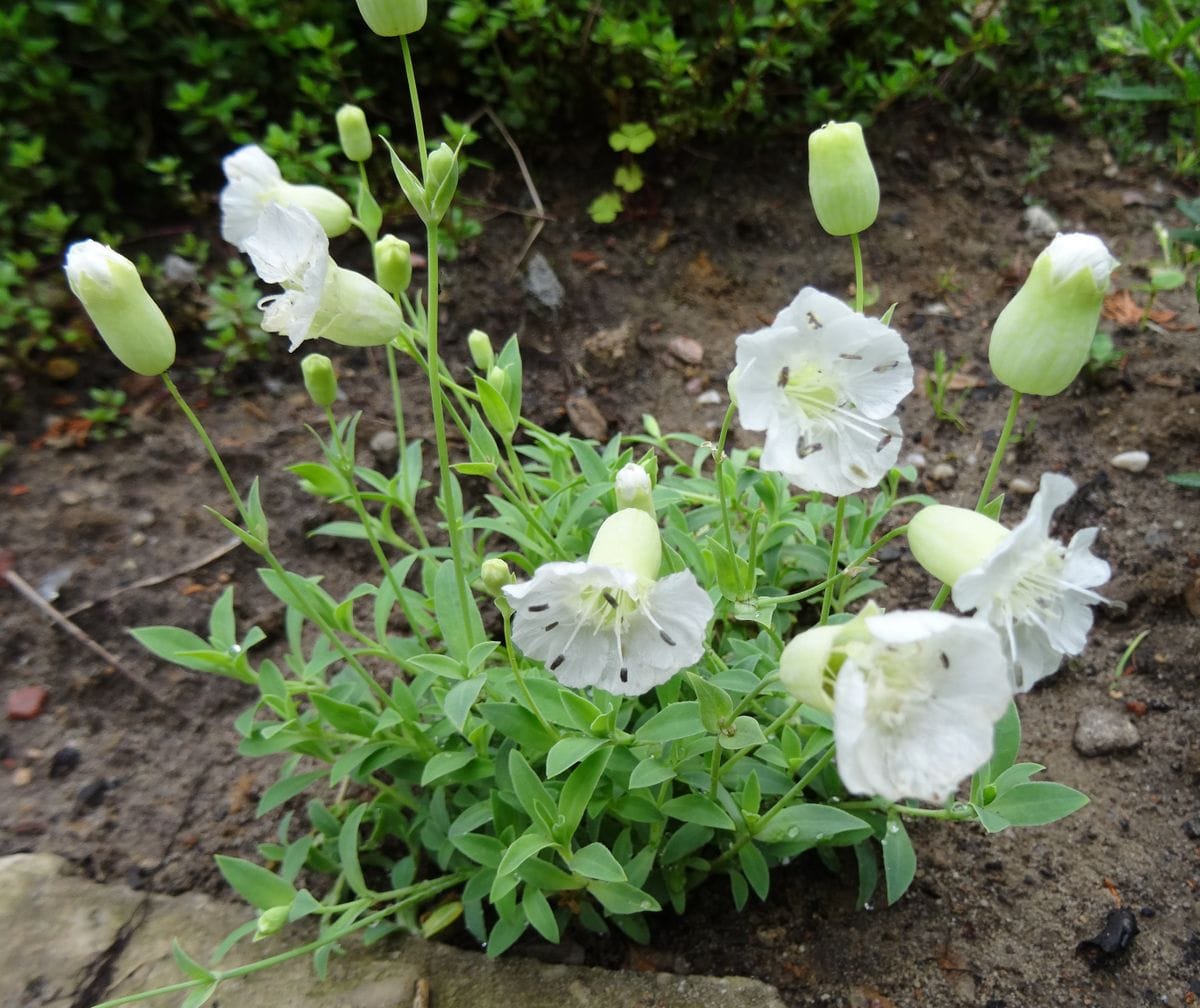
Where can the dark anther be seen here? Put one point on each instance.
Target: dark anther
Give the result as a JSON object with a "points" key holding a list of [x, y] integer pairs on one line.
{"points": [[945, 659], [666, 638], [883, 442], [813, 321], [850, 356], [783, 377], [608, 597], [539, 608], [550, 626], [889, 366], [557, 661], [624, 675]]}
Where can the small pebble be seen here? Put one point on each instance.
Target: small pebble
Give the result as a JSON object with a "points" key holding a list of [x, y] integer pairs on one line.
{"points": [[1102, 730], [91, 795], [383, 446], [1130, 461], [64, 761], [1022, 486], [686, 349], [137, 539], [1040, 223], [709, 397], [915, 459], [22, 776], [943, 473], [1191, 828], [26, 703]]}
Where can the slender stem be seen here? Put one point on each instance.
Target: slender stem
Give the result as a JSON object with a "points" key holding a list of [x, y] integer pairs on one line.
{"points": [[816, 589], [516, 669], [1001, 447], [719, 455], [860, 294], [213, 454], [416, 106], [397, 405], [835, 548]]}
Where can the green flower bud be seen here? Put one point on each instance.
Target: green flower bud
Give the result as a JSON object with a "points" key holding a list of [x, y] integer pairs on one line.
{"points": [[390, 18], [332, 212], [111, 291], [841, 179], [271, 921], [949, 541], [319, 379], [804, 667], [632, 487], [480, 345], [497, 377], [630, 540], [356, 311], [1044, 335], [441, 180], [393, 264], [495, 574], [353, 134]]}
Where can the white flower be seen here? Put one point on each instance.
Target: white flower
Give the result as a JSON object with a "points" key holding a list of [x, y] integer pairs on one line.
{"points": [[320, 300], [824, 382], [915, 704], [608, 622], [255, 183], [1036, 591]]}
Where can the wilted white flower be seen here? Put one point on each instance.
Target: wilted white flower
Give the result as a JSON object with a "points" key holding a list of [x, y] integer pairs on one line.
{"points": [[915, 702], [824, 382], [1034, 590], [320, 299], [610, 621], [255, 182]]}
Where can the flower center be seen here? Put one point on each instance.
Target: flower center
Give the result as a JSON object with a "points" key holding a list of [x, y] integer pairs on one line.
{"points": [[1038, 587], [810, 388], [896, 685]]}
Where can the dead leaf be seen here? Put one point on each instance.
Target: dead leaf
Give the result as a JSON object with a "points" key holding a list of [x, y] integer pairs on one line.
{"points": [[585, 257], [661, 241], [609, 345], [1120, 307]]}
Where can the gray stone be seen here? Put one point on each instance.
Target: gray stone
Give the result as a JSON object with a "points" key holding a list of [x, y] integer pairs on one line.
{"points": [[65, 937], [542, 282], [383, 447], [1102, 730], [1039, 222]]}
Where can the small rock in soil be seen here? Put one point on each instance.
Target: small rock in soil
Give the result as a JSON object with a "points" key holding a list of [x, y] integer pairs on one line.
{"points": [[1191, 828], [1115, 937], [91, 795], [1102, 730], [686, 349], [26, 703], [64, 761], [1040, 223], [1130, 461], [22, 776], [943, 473], [542, 282], [1022, 486], [383, 446]]}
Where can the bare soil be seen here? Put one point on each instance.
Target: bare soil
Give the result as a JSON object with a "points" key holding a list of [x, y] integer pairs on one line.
{"points": [[715, 248]]}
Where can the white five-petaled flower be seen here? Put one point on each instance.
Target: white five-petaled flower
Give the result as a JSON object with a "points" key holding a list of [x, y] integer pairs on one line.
{"points": [[1036, 591], [610, 621], [915, 701], [320, 299], [824, 382], [255, 182]]}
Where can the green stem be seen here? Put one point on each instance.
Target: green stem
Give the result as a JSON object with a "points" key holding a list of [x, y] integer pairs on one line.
{"points": [[213, 454], [860, 294], [416, 108], [816, 589], [769, 731], [397, 404], [1001, 447], [720, 472], [835, 548], [516, 670]]}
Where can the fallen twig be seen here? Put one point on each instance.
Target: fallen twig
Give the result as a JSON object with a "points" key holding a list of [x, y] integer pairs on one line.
{"points": [[29, 593], [157, 579], [533, 193]]}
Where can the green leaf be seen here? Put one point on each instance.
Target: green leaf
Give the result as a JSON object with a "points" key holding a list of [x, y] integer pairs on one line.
{"points": [[629, 178], [531, 793], [348, 852], [457, 702], [285, 789], [679, 720], [715, 703], [595, 861], [899, 858], [539, 914], [1037, 803], [200, 995], [1191, 480], [578, 791], [187, 965], [519, 724], [445, 763], [754, 865], [694, 808], [605, 208], [261, 888], [565, 753], [1006, 742], [622, 898], [440, 918], [649, 772], [813, 824], [345, 717], [175, 645], [746, 732], [520, 851], [460, 630]]}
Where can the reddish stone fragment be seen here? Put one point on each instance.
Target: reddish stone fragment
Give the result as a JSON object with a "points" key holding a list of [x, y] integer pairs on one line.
{"points": [[26, 703]]}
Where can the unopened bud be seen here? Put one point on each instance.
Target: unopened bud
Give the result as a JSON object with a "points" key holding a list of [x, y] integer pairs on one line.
{"points": [[111, 291], [949, 541], [441, 180], [632, 488], [841, 179], [353, 134], [629, 539], [497, 377], [495, 574], [390, 18], [480, 345], [393, 264], [271, 921], [319, 379]]}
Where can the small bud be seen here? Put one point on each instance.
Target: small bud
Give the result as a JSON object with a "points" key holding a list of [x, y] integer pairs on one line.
{"points": [[319, 379], [804, 667], [441, 180], [949, 541], [495, 574], [331, 211], [390, 18], [353, 134], [1044, 334], [630, 540], [497, 377], [632, 488], [480, 345], [271, 921], [111, 291], [841, 179], [393, 264]]}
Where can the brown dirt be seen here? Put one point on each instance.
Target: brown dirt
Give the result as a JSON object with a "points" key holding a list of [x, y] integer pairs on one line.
{"points": [[716, 249]]}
